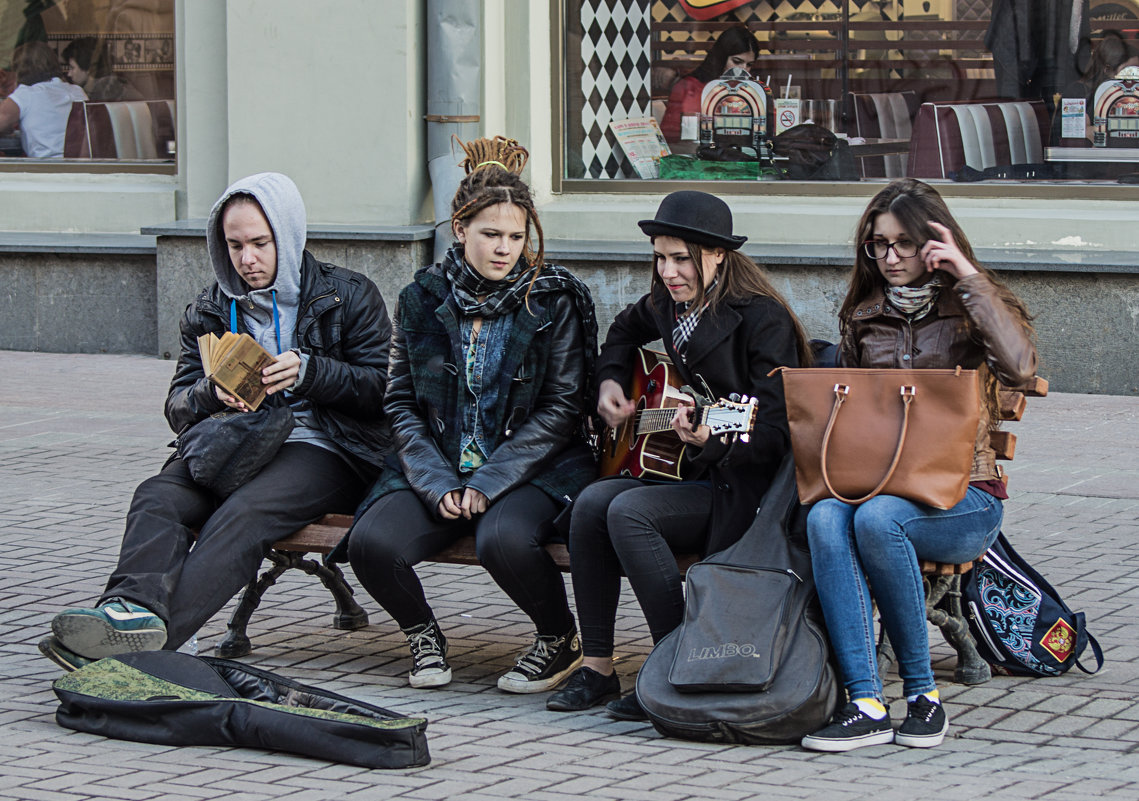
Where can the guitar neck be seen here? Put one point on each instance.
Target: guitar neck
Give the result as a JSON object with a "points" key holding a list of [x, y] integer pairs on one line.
{"points": [[654, 421]]}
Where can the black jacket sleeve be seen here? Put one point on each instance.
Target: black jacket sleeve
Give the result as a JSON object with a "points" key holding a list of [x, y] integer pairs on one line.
{"points": [[556, 413], [633, 327], [354, 382], [191, 397], [424, 466]]}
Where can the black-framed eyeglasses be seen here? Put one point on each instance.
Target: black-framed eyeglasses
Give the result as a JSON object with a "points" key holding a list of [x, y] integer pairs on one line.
{"points": [[879, 248]]}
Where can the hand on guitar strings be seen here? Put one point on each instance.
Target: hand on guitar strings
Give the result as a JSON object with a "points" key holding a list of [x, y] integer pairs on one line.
{"points": [[612, 404], [682, 426]]}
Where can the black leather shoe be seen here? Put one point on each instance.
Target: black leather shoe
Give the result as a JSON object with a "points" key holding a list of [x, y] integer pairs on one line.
{"points": [[626, 708], [584, 688]]}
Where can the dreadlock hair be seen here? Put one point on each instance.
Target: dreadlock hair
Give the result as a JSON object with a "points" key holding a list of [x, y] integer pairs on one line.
{"points": [[493, 167], [737, 278], [915, 204]]}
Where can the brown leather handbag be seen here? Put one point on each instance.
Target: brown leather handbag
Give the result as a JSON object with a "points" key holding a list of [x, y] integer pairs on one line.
{"points": [[859, 432]]}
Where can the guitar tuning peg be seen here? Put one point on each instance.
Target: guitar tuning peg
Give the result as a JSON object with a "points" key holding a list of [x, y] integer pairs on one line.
{"points": [[735, 397], [745, 438]]}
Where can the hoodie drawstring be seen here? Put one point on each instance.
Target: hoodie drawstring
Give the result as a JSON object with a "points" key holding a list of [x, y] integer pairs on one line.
{"points": [[276, 319]]}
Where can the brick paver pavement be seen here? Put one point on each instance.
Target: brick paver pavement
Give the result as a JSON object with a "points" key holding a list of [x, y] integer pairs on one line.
{"points": [[78, 432]]}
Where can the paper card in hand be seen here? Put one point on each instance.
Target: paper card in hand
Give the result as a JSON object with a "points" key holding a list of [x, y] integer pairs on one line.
{"points": [[234, 362]]}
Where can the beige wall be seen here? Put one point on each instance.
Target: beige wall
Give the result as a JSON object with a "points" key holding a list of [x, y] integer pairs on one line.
{"points": [[330, 93]]}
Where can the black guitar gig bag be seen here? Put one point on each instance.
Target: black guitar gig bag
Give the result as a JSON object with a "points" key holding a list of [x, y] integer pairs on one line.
{"points": [[751, 662]]}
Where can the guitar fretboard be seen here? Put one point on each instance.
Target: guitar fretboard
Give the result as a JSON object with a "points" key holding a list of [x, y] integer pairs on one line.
{"points": [[653, 421]]}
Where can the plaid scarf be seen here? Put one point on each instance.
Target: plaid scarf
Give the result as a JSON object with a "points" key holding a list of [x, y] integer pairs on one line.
{"points": [[687, 319], [498, 297], [915, 301], [503, 297]]}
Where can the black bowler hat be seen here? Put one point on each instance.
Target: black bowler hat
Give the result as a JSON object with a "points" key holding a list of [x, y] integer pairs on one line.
{"points": [[694, 217]]}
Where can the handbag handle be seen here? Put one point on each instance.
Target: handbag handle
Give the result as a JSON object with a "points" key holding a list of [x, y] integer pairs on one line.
{"points": [[840, 393]]}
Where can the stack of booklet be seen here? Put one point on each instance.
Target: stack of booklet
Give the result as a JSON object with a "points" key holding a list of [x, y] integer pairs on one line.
{"points": [[234, 362]]}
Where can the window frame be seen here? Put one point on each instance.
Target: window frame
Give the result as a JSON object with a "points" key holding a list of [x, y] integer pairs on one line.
{"points": [[560, 184]]}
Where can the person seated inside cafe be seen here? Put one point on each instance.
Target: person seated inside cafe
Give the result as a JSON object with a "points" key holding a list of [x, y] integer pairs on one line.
{"points": [[87, 64], [40, 103], [736, 47]]}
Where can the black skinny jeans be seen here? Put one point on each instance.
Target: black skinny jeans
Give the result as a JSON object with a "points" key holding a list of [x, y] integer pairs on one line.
{"points": [[398, 532], [625, 524], [187, 586]]}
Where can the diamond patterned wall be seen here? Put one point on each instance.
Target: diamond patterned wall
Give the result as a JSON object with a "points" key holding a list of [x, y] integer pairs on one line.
{"points": [[614, 80]]}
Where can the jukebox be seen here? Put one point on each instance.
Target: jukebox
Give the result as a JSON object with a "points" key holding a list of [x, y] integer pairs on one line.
{"points": [[734, 113], [1116, 110]]}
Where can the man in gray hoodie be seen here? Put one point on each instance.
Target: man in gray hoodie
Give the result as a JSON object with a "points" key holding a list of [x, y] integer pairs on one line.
{"points": [[330, 331]]}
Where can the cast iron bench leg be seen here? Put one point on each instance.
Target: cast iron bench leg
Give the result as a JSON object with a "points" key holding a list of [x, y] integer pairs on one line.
{"points": [[236, 642], [943, 609], [349, 614]]}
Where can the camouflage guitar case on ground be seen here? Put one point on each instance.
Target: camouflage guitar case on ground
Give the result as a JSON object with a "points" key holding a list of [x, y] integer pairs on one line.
{"points": [[171, 698]]}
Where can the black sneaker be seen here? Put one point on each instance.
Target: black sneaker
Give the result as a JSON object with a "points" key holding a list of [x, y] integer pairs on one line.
{"points": [[850, 728], [429, 656], [585, 688], [543, 667], [627, 707], [925, 725]]}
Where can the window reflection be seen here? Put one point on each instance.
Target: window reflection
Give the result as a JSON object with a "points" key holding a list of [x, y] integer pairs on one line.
{"points": [[87, 79], [939, 89]]}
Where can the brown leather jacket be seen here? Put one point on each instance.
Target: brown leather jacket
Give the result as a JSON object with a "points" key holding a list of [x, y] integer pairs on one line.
{"points": [[969, 326]]}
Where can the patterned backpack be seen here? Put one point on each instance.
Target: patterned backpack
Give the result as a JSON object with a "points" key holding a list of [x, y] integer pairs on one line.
{"points": [[1018, 620]]}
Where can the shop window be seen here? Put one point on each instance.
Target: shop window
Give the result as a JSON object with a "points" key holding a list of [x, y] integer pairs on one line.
{"points": [[87, 81], [841, 90]]}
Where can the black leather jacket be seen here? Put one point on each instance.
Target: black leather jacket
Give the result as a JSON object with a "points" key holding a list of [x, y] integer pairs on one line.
{"points": [[537, 422], [342, 326]]}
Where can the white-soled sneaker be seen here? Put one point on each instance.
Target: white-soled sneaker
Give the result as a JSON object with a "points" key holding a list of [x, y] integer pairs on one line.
{"points": [[546, 665], [850, 728], [429, 656], [925, 725]]}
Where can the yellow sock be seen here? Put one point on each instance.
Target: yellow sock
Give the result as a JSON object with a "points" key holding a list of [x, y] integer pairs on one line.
{"points": [[871, 707], [932, 695]]}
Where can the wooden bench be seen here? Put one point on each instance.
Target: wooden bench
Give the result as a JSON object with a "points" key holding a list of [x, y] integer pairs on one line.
{"points": [[942, 581], [320, 538]]}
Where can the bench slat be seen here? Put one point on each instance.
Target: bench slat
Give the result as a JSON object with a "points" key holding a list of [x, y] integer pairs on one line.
{"points": [[1003, 444]]}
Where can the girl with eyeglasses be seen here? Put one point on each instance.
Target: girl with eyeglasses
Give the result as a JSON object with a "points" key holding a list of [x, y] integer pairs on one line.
{"points": [[917, 299]]}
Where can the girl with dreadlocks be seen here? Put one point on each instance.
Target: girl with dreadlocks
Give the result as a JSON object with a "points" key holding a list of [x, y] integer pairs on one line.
{"points": [[491, 358]]}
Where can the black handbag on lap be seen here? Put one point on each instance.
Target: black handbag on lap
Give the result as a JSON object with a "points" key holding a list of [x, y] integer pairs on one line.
{"points": [[228, 448], [751, 662]]}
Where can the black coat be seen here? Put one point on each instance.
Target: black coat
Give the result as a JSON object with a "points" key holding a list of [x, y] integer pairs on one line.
{"points": [[342, 326], [733, 349], [537, 430]]}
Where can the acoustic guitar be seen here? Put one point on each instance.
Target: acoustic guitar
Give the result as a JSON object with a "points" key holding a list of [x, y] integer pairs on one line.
{"points": [[645, 444]]}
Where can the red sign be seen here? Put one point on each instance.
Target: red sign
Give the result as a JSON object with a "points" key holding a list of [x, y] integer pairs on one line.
{"points": [[707, 9], [787, 118]]}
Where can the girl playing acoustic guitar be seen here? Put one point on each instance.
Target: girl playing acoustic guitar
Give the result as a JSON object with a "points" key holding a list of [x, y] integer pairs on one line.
{"points": [[725, 327]]}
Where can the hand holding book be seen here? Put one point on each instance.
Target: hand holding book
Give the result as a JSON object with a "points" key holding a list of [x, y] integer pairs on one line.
{"points": [[237, 366]]}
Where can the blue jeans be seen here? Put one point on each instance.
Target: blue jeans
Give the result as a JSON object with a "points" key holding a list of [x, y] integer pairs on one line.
{"points": [[880, 542]]}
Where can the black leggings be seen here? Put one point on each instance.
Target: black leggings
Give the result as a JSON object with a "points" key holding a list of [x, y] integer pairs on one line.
{"points": [[624, 524], [397, 532]]}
